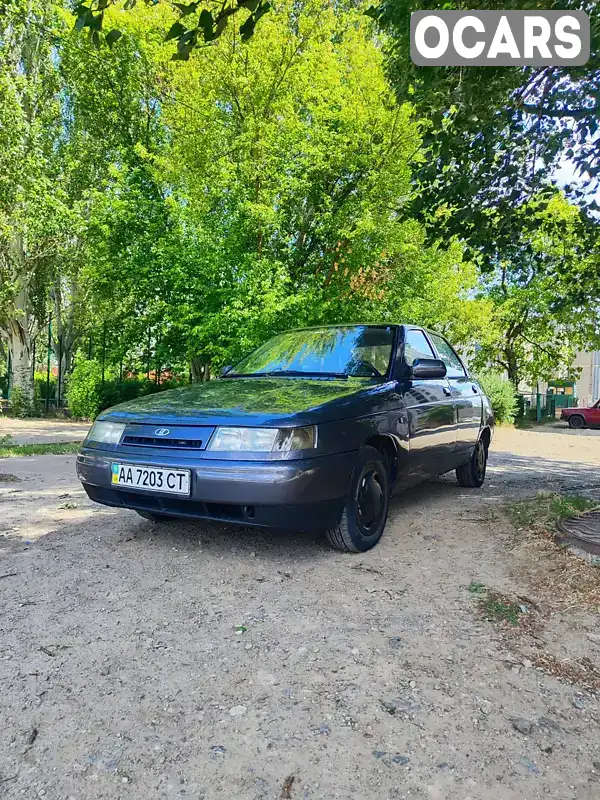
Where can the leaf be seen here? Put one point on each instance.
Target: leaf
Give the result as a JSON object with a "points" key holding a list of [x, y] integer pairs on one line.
{"points": [[183, 53], [247, 28], [184, 9], [95, 24], [251, 5], [220, 26], [175, 31], [129, 4], [113, 36], [206, 23], [82, 20], [372, 12], [96, 39], [261, 11], [188, 39]]}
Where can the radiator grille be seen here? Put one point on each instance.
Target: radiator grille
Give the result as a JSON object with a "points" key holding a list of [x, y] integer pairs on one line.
{"points": [[156, 441]]}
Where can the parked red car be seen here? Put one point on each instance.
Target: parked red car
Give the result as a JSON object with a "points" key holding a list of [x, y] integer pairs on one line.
{"points": [[582, 417]]}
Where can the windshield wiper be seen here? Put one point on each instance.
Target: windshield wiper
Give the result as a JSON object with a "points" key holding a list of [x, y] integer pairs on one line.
{"points": [[292, 373]]}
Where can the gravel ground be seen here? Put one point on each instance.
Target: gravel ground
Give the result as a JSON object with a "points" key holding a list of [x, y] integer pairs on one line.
{"points": [[195, 661]]}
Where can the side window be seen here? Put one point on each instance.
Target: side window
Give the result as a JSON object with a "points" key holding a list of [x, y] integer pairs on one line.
{"points": [[416, 346], [453, 363]]}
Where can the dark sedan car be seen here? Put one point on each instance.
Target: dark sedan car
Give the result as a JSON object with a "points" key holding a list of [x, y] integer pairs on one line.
{"points": [[313, 430]]}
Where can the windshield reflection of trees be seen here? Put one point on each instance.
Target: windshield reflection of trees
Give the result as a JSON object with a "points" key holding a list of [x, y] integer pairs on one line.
{"points": [[355, 351]]}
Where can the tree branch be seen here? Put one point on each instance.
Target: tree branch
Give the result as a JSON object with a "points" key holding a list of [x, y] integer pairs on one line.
{"points": [[559, 113]]}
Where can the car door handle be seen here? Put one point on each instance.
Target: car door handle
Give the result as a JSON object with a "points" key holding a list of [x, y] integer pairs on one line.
{"points": [[475, 390], [447, 391]]}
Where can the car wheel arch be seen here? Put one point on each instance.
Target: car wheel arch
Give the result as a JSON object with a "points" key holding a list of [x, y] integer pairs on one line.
{"points": [[486, 437], [387, 447]]}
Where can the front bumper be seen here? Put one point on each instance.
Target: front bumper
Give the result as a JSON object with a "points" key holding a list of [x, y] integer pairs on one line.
{"points": [[307, 494]]}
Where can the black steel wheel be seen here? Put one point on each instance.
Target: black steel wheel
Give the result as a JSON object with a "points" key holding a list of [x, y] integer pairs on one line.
{"points": [[576, 421], [472, 474], [367, 503]]}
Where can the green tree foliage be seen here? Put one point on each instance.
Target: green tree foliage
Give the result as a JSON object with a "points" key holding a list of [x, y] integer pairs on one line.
{"points": [[270, 197], [543, 309], [198, 22], [495, 134], [174, 214], [32, 213]]}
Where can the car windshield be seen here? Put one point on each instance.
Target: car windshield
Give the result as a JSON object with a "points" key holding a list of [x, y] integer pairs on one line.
{"points": [[359, 351]]}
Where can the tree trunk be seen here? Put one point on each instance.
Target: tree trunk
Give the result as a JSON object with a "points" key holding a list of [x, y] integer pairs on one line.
{"points": [[200, 370], [17, 320], [65, 333], [512, 367], [19, 345]]}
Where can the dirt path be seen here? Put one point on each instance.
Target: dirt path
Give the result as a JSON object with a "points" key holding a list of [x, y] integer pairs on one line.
{"points": [[123, 674], [41, 431]]}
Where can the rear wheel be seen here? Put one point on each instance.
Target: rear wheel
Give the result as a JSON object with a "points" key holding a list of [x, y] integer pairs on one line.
{"points": [[472, 474], [154, 516], [576, 421], [366, 510]]}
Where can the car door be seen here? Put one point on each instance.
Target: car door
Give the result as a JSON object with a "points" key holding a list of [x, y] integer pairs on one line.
{"points": [[465, 393], [431, 414]]}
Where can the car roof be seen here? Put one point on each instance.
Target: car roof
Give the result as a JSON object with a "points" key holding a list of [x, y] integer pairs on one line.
{"points": [[369, 325], [349, 325]]}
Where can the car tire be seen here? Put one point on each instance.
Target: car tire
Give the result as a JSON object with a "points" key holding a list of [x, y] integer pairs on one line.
{"points": [[576, 421], [367, 504], [154, 516], [472, 474]]}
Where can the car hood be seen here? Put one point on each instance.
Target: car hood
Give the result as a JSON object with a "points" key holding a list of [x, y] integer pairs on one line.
{"points": [[254, 401]]}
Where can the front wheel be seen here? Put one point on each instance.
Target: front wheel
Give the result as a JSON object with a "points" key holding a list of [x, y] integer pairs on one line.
{"points": [[472, 474], [576, 421], [366, 510]]}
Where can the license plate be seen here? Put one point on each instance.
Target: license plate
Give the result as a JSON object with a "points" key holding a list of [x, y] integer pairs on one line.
{"points": [[151, 479]]}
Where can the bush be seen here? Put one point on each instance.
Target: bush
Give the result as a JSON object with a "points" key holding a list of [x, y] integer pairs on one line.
{"points": [[83, 395], [18, 404], [501, 394], [87, 396], [39, 390]]}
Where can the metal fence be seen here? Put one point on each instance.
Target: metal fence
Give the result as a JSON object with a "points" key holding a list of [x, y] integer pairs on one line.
{"points": [[538, 406]]}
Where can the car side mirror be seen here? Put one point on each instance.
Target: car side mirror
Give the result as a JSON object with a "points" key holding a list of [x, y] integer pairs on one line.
{"points": [[225, 370], [427, 368]]}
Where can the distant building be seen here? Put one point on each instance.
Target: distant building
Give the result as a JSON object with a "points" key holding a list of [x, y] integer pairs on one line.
{"points": [[587, 386]]}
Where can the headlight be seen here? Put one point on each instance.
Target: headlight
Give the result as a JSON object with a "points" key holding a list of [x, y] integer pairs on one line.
{"points": [[263, 440], [105, 432]]}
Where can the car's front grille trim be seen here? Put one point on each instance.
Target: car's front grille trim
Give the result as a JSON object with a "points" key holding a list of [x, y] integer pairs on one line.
{"points": [[155, 441]]}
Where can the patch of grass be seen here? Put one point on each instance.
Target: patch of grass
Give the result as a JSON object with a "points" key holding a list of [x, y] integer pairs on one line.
{"points": [[477, 588], [559, 578], [497, 609], [55, 448], [495, 606], [542, 512]]}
